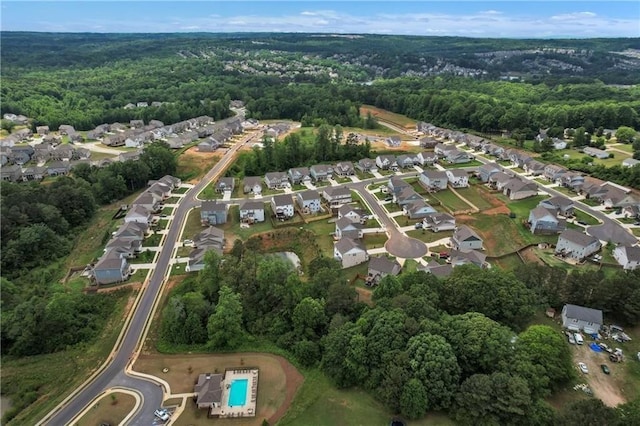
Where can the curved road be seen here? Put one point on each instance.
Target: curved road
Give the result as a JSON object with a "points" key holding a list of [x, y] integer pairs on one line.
{"points": [[114, 374]]}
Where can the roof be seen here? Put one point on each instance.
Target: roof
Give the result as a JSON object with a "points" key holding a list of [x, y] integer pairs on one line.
{"points": [[213, 206], [109, 262], [282, 200], [610, 231], [500, 177], [463, 232], [344, 222], [302, 171], [346, 244], [582, 313], [457, 173], [577, 237], [209, 388], [275, 175], [516, 185], [385, 265], [226, 181], [435, 174], [540, 212], [558, 201], [337, 191], [473, 256], [346, 208], [632, 253], [252, 205], [309, 194], [210, 232], [252, 180], [439, 217]]}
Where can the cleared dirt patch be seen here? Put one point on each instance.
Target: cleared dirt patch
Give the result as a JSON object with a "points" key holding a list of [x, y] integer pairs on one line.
{"points": [[277, 384], [193, 164], [605, 387]]}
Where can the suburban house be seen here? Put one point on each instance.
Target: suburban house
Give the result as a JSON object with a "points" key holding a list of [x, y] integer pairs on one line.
{"points": [[534, 167], [336, 196], [42, 130], [572, 180], [517, 189], [439, 222], [132, 231], [11, 173], [380, 267], [468, 257], [344, 168], [34, 173], [213, 213], [438, 270], [308, 201], [320, 172], [367, 165], [276, 180], [576, 245], [209, 144], [252, 211], [487, 170], [428, 142], [386, 162], [441, 149], [138, 213], [543, 220], [405, 161], [457, 157], [562, 205], [630, 162], [299, 175], [252, 185], [111, 268], [579, 318], [458, 178], [407, 196], [616, 196], [627, 256], [282, 206], [346, 228], [396, 185], [393, 141], [434, 179], [632, 210], [595, 152], [211, 237], [418, 209], [58, 168], [354, 215], [426, 158], [350, 252], [465, 238], [225, 184], [492, 149]]}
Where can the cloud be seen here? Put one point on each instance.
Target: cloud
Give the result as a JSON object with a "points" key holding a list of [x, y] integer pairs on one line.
{"points": [[574, 16], [308, 13]]}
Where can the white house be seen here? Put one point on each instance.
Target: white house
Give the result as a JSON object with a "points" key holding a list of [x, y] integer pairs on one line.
{"points": [[630, 162], [458, 178], [354, 215], [252, 185], [252, 211], [345, 228], [578, 318], [434, 179], [427, 158], [386, 162], [308, 201], [465, 238], [439, 222], [282, 206], [276, 180], [627, 256], [576, 245], [336, 196], [350, 252]]}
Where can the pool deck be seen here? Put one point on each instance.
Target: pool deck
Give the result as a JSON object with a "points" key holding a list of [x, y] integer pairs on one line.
{"points": [[249, 408]]}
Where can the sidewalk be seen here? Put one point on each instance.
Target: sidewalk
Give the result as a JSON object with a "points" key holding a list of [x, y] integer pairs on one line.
{"points": [[354, 179]]}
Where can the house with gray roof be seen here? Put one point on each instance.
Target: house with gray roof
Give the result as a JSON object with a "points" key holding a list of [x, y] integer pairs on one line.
{"points": [[11, 173], [367, 165], [579, 318], [435, 268], [350, 252], [630, 162], [252, 211], [456, 156], [34, 173], [465, 238], [344, 168], [487, 170], [386, 162], [213, 212], [434, 179], [58, 168], [439, 222], [405, 161], [252, 185], [468, 257], [353, 214], [553, 172], [576, 245], [627, 256], [336, 196], [458, 178], [276, 180], [210, 237], [518, 189], [346, 228], [320, 172], [543, 220], [563, 205], [534, 167], [208, 390], [595, 152], [393, 141], [138, 213], [418, 209], [282, 206], [299, 175], [225, 184], [308, 201], [428, 142], [380, 267], [110, 269], [426, 158], [407, 196]]}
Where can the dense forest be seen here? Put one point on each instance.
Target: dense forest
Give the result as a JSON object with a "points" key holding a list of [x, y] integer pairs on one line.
{"points": [[461, 344]]}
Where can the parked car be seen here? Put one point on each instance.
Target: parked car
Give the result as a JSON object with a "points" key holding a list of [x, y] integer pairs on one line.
{"points": [[579, 338], [418, 225], [187, 243], [582, 222], [583, 367], [444, 255], [605, 368], [162, 414]]}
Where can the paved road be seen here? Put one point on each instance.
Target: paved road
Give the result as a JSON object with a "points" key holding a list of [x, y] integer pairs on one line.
{"points": [[114, 374]]}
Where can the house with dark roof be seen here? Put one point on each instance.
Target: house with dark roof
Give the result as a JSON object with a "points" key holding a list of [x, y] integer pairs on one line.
{"points": [[252, 185], [456, 156], [393, 141], [138, 213], [428, 142], [299, 175], [367, 165], [225, 184], [396, 184], [380, 267], [465, 238], [110, 269], [308, 201], [354, 215], [346, 228], [499, 180], [576, 245], [543, 220], [336, 196], [405, 161], [426, 158], [407, 196], [282, 206], [344, 168], [208, 391], [350, 252], [579, 318], [418, 209], [554, 172], [563, 205], [440, 271], [33, 173], [486, 171], [276, 180], [434, 179], [11, 173], [252, 212], [627, 256], [213, 212], [518, 189], [386, 162], [320, 172], [468, 257], [210, 237], [534, 167]]}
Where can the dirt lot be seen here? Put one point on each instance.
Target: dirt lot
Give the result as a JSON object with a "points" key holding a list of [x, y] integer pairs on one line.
{"points": [[277, 386], [605, 387], [195, 163]]}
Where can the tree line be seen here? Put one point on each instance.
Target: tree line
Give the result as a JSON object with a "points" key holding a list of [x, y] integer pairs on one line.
{"points": [[462, 344]]}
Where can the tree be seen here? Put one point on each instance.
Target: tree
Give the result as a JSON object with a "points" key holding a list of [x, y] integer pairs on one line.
{"points": [[309, 319], [588, 411], [225, 324], [580, 138], [414, 402], [336, 345], [7, 125], [625, 134], [433, 361], [159, 159]]}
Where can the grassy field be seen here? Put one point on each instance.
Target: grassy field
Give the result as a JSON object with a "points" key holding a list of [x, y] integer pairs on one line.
{"points": [[192, 225], [508, 263], [585, 217], [622, 147], [209, 192], [192, 165], [53, 376], [108, 410], [375, 240], [391, 117], [450, 200], [429, 236], [522, 207], [273, 381], [477, 196], [472, 163], [323, 230]]}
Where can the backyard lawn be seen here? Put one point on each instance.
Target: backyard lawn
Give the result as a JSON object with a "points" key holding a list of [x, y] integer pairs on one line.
{"points": [[192, 225], [477, 196], [110, 409], [428, 236], [450, 200], [472, 163], [323, 230], [522, 207], [375, 240]]}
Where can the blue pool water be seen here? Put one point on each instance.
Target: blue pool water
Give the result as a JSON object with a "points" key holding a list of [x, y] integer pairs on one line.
{"points": [[238, 393]]}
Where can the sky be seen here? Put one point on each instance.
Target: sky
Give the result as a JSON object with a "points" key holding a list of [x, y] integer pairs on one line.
{"points": [[503, 19]]}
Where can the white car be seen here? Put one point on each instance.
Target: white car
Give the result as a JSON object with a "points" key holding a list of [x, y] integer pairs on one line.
{"points": [[583, 367], [162, 415]]}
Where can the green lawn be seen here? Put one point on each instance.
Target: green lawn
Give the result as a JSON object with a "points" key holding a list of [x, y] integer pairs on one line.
{"points": [[193, 225], [392, 207], [622, 147], [476, 195], [209, 192], [429, 236], [167, 210], [375, 240], [508, 263], [152, 240], [472, 163], [450, 200], [522, 207], [584, 217], [591, 202], [419, 188], [323, 230], [232, 227], [565, 191]]}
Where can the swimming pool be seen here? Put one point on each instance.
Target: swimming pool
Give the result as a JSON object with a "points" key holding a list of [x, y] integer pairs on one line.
{"points": [[238, 393]]}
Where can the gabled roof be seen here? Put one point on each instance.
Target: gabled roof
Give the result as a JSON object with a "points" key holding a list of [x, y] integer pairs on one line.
{"points": [[434, 174], [282, 200], [276, 175], [346, 208], [213, 206], [632, 253], [345, 245], [252, 180], [463, 233], [473, 256], [309, 194], [577, 237], [344, 223], [517, 185], [500, 177], [337, 191], [210, 233], [582, 313], [440, 217], [437, 269], [209, 389], [541, 212], [252, 205], [558, 201], [457, 173], [384, 265]]}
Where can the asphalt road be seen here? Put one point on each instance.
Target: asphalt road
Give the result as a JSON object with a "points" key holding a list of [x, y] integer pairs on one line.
{"points": [[114, 373]]}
